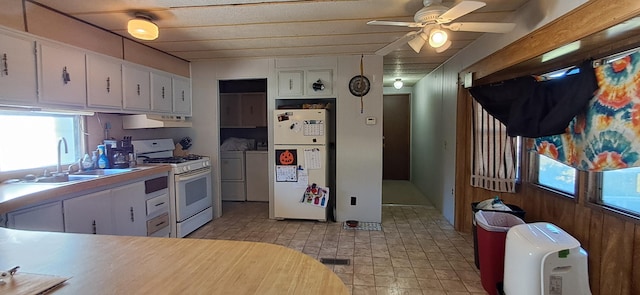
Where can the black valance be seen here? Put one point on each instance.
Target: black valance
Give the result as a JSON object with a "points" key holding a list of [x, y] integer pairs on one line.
{"points": [[533, 108]]}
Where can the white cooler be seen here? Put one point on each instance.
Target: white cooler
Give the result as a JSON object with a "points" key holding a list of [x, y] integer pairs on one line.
{"points": [[541, 258]]}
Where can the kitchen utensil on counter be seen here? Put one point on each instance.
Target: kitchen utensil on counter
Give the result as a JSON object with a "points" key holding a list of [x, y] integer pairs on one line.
{"points": [[185, 143]]}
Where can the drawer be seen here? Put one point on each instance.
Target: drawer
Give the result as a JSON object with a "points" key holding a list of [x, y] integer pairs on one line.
{"points": [[157, 205], [157, 223]]}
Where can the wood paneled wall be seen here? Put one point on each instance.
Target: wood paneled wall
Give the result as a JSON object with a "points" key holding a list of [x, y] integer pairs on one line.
{"points": [[612, 240]]}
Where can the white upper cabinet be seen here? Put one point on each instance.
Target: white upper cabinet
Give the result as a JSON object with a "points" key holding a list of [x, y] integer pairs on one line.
{"points": [[17, 69], [161, 92], [305, 83], [62, 75], [290, 83], [136, 84], [104, 82], [181, 96]]}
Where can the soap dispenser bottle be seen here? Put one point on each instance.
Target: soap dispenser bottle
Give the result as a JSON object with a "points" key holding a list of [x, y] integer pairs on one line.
{"points": [[103, 161], [94, 159]]}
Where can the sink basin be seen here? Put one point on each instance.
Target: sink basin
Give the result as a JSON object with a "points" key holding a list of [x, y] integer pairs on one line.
{"points": [[99, 172]]}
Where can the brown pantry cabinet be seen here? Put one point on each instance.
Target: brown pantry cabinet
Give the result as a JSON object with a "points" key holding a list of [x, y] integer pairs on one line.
{"points": [[243, 110]]}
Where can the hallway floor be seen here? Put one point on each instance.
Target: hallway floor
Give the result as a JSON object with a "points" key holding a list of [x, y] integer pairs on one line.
{"points": [[417, 251]]}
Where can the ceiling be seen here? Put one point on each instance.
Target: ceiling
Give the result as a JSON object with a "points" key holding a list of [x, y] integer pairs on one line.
{"points": [[222, 29]]}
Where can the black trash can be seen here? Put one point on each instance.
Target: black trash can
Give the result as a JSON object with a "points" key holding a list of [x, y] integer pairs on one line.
{"points": [[515, 210]]}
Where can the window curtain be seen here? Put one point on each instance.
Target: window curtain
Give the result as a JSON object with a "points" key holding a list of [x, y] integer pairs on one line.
{"points": [[606, 136], [494, 153]]}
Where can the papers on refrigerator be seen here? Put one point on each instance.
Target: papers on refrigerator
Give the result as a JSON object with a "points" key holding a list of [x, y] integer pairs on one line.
{"points": [[312, 158], [316, 195]]}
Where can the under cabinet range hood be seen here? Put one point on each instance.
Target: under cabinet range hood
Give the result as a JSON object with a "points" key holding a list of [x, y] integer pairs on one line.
{"points": [[153, 121]]}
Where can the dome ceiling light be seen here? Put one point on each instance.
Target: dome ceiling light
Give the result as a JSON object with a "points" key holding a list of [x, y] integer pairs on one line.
{"points": [[141, 27]]}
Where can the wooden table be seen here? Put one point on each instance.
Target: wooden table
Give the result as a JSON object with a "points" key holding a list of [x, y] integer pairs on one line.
{"points": [[100, 264]]}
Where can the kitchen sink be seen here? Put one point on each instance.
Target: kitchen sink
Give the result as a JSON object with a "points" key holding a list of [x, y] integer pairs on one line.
{"points": [[100, 172]]}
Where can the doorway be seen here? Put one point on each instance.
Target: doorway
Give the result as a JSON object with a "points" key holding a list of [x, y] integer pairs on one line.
{"points": [[396, 132]]}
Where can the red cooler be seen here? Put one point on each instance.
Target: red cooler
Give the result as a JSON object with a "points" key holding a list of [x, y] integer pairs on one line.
{"points": [[492, 234]]}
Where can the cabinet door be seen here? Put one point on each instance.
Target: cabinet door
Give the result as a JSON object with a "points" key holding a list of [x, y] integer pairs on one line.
{"points": [[254, 110], [17, 70], [319, 76], [290, 83], [46, 217], [161, 93], [129, 210], [62, 75], [257, 164], [230, 110], [89, 214], [104, 82], [181, 96], [135, 82]]}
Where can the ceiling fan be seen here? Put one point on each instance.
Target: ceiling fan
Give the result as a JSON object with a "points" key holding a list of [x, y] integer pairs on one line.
{"points": [[434, 17]]}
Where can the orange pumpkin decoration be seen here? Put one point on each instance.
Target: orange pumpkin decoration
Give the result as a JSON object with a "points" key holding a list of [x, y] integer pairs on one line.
{"points": [[286, 158]]}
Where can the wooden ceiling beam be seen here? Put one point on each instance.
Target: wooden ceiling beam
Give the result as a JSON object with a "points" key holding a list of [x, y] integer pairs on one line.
{"points": [[591, 17]]}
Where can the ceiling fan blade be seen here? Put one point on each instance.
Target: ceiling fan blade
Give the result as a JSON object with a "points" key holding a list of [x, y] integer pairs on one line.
{"points": [[395, 44], [481, 27], [394, 23], [459, 10]]}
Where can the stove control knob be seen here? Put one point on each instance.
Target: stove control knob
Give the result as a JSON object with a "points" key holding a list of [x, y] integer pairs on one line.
{"points": [[185, 169], [206, 164]]}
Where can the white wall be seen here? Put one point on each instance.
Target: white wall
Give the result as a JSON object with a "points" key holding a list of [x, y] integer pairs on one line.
{"points": [[434, 104], [358, 146]]}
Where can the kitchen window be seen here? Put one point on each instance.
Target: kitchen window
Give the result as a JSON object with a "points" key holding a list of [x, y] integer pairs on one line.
{"points": [[30, 140]]}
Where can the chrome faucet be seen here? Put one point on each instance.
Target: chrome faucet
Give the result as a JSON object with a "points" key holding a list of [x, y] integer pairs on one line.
{"points": [[61, 140]]}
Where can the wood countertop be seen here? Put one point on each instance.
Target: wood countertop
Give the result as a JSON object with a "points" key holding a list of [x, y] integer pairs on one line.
{"points": [[18, 195], [101, 264]]}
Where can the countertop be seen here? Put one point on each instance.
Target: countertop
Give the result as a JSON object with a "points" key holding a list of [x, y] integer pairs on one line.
{"points": [[101, 264], [18, 195]]}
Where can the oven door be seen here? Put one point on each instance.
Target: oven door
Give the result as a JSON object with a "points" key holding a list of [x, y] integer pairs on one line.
{"points": [[193, 193]]}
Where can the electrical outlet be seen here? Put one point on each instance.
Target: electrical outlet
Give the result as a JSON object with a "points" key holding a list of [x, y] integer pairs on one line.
{"points": [[353, 201]]}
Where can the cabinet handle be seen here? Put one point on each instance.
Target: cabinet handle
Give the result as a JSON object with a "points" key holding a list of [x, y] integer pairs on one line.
{"points": [[66, 78], [290, 84], [132, 217], [94, 228], [182, 95], [108, 84], [159, 224], [138, 89], [159, 204], [162, 92], [5, 65]]}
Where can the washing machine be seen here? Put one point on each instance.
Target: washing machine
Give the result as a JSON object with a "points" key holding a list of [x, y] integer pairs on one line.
{"points": [[541, 258]]}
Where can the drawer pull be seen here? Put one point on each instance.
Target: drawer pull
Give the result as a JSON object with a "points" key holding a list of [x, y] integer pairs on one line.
{"points": [[6, 66], [159, 224], [94, 228], [132, 217], [138, 89], [66, 78], [159, 204]]}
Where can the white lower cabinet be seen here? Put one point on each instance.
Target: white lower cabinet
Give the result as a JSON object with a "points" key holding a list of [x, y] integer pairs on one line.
{"points": [[117, 211], [129, 210], [45, 217], [89, 214]]}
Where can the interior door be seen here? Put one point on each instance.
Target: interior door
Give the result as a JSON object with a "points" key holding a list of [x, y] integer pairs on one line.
{"points": [[397, 137]]}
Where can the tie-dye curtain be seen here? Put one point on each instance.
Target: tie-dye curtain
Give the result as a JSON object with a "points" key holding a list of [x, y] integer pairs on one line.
{"points": [[607, 135]]}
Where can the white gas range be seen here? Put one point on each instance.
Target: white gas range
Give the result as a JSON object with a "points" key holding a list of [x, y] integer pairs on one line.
{"points": [[189, 184]]}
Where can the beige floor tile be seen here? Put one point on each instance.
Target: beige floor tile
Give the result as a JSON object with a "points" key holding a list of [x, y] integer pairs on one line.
{"points": [[363, 279], [417, 252]]}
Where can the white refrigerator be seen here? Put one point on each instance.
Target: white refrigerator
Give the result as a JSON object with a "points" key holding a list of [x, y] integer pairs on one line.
{"points": [[301, 176]]}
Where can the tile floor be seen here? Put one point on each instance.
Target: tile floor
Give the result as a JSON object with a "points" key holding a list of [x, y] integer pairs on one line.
{"points": [[417, 251]]}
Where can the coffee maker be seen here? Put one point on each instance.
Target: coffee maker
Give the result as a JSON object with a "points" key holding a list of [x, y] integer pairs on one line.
{"points": [[120, 153]]}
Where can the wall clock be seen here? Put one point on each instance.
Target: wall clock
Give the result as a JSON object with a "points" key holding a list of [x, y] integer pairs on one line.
{"points": [[359, 85]]}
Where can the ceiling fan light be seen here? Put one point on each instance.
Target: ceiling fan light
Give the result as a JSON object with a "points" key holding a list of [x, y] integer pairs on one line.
{"points": [[437, 38], [142, 28], [417, 43], [444, 47], [398, 83]]}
